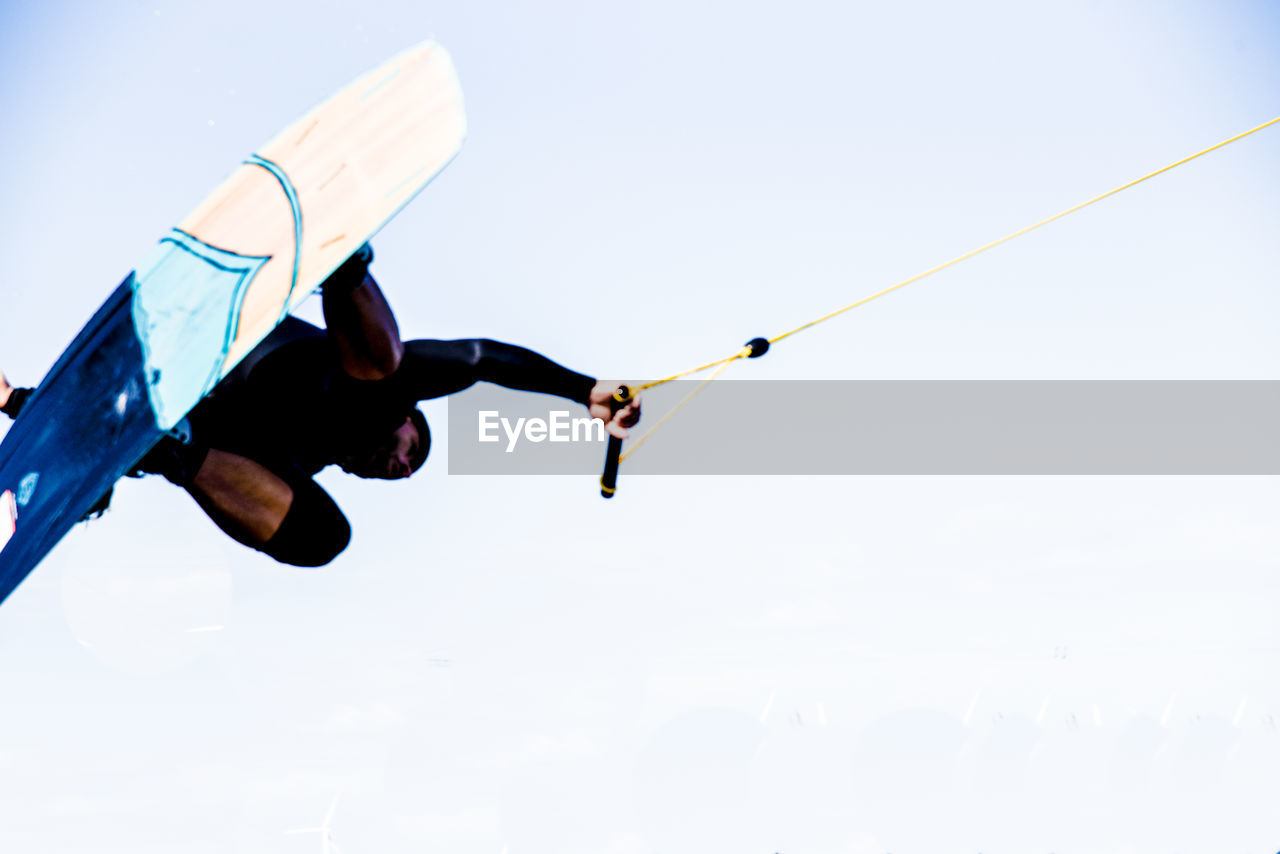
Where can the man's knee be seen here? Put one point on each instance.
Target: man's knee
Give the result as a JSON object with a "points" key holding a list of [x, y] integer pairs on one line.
{"points": [[313, 532]]}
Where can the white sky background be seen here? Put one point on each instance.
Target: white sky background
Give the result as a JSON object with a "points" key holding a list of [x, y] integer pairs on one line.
{"points": [[854, 665]]}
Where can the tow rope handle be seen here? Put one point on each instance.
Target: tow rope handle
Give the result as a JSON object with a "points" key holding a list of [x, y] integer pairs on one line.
{"points": [[609, 479]]}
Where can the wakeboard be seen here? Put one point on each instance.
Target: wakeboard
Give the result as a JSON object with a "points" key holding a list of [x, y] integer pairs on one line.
{"points": [[215, 286]]}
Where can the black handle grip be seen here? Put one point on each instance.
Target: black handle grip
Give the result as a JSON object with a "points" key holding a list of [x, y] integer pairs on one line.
{"points": [[609, 480]]}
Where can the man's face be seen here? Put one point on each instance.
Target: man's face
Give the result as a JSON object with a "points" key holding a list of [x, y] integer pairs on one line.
{"points": [[391, 461]]}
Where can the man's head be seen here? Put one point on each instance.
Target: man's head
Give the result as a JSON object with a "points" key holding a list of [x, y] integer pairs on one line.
{"points": [[399, 455]]}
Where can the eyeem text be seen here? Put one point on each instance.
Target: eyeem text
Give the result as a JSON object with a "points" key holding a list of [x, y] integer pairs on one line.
{"points": [[557, 427]]}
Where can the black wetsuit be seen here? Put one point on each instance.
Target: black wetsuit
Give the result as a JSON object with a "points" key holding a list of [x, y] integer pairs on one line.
{"points": [[297, 412]]}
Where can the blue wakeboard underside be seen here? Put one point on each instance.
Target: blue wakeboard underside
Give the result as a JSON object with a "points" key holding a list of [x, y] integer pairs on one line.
{"points": [[88, 422]]}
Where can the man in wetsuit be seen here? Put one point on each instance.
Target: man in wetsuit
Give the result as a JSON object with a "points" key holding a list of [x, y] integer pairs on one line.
{"points": [[307, 398]]}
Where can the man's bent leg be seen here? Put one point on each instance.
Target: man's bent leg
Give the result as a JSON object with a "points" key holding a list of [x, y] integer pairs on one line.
{"points": [[294, 521], [245, 498], [360, 321], [313, 532]]}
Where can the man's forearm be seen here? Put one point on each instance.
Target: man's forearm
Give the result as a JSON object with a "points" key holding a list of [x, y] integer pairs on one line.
{"points": [[519, 368], [436, 368]]}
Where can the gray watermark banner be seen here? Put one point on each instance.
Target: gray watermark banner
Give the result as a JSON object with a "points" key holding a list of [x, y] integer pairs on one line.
{"points": [[1219, 427]]}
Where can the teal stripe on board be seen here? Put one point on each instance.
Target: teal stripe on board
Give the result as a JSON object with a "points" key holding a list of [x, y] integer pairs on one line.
{"points": [[292, 195], [186, 308]]}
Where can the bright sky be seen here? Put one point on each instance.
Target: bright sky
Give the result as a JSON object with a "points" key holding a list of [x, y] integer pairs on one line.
{"points": [[804, 666]]}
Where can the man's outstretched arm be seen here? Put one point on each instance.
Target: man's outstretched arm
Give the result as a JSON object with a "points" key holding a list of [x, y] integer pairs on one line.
{"points": [[437, 368]]}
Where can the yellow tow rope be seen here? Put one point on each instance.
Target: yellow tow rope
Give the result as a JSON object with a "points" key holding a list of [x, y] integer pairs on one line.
{"points": [[758, 346]]}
